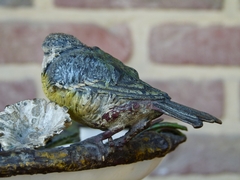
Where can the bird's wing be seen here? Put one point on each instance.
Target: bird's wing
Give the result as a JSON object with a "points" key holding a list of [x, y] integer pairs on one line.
{"points": [[100, 71]]}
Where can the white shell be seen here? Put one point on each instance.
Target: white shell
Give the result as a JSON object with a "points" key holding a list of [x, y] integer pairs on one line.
{"points": [[29, 123]]}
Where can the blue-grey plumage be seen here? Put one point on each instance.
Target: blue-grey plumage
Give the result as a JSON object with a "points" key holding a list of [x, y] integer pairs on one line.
{"points": [[101, 92]]}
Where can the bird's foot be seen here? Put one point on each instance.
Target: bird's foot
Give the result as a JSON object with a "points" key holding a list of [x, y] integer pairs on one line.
{"points": [[135, 130], [95, 145], [97, 141]]}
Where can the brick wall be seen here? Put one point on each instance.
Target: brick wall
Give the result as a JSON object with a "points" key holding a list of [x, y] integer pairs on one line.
{"points": [[189, 48]]}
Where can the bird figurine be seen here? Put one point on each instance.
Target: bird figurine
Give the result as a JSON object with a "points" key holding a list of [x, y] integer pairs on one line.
{"points": [[101, 92]]}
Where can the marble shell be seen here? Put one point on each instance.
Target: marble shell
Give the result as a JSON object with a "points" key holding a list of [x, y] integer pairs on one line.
{"points": [[30, 123]]}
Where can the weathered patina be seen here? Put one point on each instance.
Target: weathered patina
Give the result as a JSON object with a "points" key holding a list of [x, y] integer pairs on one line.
{"points": [[157, 141], [103, 93]]}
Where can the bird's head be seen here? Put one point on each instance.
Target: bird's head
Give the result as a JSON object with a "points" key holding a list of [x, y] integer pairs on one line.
{"points": [[56, 43]]}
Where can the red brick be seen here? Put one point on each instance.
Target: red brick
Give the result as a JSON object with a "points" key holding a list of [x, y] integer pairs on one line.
{"points": [[192, 44], [14, 91], [21, 42], [207, 96], [184, 4], [203, 154], [16, 3]]}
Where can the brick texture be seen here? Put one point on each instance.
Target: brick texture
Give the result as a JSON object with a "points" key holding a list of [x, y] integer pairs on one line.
{"points": [[14, 91], [207, 96], [203, 154], [15, 3], [184, 4], [191, 44], [21, 42]]}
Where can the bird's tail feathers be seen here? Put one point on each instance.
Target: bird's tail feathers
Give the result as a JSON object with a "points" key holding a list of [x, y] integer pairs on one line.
{"points": [[186, 114]]}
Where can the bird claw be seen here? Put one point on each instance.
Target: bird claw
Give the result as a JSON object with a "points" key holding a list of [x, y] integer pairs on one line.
{"points": [[94, 145], [119, 143], [135, 130]]}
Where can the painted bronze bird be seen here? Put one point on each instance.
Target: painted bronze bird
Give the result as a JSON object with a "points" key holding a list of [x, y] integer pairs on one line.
{"points": [[103, 93]]}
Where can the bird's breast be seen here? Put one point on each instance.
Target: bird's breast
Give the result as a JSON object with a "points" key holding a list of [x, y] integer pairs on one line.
{"points": [[85, 105]]}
